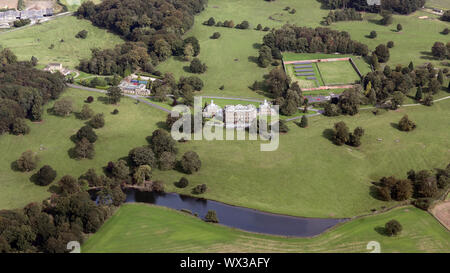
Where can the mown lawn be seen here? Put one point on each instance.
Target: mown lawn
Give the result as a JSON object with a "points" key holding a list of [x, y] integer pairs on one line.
{"points": [[121, 133], [310, 176], [338, 73], [73, 5], [146, 228], [36, 41]]}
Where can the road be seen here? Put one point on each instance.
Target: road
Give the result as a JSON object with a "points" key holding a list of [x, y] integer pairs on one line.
{"points": [[141, 99], [34, 23]]}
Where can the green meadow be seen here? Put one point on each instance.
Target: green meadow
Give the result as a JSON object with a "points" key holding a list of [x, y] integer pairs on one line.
{"points": [[146, 228], [338, 73], [231, 59], [68, 50], [121, 133]]}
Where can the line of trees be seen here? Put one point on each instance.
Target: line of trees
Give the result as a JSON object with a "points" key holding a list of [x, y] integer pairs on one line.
{"points": [[309, 40], [24, 91], [343, 15], [399, 6]]}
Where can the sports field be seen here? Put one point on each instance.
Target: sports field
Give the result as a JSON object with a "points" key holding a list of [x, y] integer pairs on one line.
{"points": [[121, 133], [68, 50], [341, 72], [146, 228]]}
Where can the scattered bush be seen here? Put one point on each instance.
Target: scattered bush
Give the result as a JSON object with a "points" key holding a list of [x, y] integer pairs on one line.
{"points": [[390, 44], [405, 124], [89, 99], [63, 107], [216, 35], [27, 161], [373, 34], [115, 112], [88, 133], [190, 162], [86, 112], [211, 216], [142, 156], [183, 183], [197, 66], [82, 34], [199, 189], [158, 186], [97, 121], [393, 228]]}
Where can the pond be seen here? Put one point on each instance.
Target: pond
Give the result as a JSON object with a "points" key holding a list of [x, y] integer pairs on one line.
{"points": [[238, 217]]}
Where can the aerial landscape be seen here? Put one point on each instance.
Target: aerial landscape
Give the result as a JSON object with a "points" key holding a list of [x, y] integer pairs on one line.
{"points": [[225, 126]]}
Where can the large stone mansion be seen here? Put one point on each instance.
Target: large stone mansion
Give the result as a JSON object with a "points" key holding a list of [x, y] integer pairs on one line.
{"points": [[237, 115]]}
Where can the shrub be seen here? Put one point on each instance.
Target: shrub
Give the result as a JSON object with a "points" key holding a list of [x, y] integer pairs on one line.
{"points": [[63, 107], [167, 161], [211, 216], [423, 203], [199, 189], [19, 127], [97, 121], [405, 124], [266, 29], [190, 162], [393, 228], [86, 112], [183, 183], [84, 149], [89, 99], [446, 31], [390, 44], [158, 186], [216, 35], [373, 34], [197, 66], [27, 161], [88, 133], [115, 112], [82, 34], [142, 156], [304, 122], [341, 133]]}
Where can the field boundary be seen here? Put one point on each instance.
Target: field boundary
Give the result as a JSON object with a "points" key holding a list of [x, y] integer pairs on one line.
{"points": [[325, 86]]}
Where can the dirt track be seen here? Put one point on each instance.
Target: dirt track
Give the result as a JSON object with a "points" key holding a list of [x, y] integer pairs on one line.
{"points": [[442, 213]]}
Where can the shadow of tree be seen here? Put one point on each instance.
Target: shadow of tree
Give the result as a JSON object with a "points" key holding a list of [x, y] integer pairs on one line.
{"points": [[253, 59], [257, 45], [14, 166], [394, 125], [328, 134], [380, 230]]}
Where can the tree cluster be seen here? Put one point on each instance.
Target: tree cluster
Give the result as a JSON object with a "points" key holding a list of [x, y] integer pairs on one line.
{"points": [[343, 15], [342, 135], [23, 92], [398, 6], [308, 40], [153, 27]]}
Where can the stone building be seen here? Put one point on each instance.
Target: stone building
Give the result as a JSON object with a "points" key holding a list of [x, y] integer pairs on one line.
{"points": [[265, 109], [211, 110], [239, 115]]}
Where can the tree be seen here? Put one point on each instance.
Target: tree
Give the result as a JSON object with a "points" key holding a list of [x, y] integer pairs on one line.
{"points": [[440, 77], [188, 52], [265, 56], [199, 189], [19, 127], [428, 100], [63, 107], [142, 156], [405, 124], [143, 173], [183, 183], [397, 99], [86, 112], [387, 17], [399, 27], [84, 149], [341, 133], [402, 190], [419, 94], [68, 185], [89, 99], [190, 162], [197, 66], [244, 25], [114, 94], [390, 44], [393, 228], [34, 61], [82, 34], [167, 161], [45, 175], [97, 121], [304, 121], [373, 34], [382, 52], [88, 133], [161, 142], [439, 50], [27, 161], [211, 22], [211, 216], [216, 35], [411, 66], [120, 170]]}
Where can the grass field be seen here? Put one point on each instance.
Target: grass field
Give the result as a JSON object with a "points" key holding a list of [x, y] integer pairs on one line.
{"points": [[121, 133], [338, 73], [413, 43], [302, 81], [36, 41], [443, 4], [310, 176], [72, 5], [145, 228]]}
